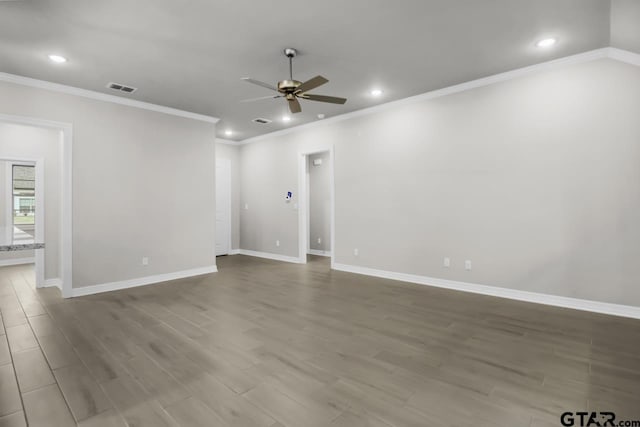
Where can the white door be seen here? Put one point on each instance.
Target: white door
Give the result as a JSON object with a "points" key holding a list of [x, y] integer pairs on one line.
{"points": [[223, 206]]}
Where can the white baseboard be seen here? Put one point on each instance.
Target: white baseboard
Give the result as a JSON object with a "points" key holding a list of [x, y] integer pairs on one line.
{"points": [[318, 252], [546, 299], [53, 283], [624, 56], [267, 255], [141, 281], [16, 261], [234, 252]]}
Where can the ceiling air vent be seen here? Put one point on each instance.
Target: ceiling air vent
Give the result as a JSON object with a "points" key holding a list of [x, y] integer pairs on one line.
{"points": [[261, 121], [122, 88]]}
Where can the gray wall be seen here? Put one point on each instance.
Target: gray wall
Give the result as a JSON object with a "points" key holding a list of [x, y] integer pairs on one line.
{"points": [[232, 153], [38, 143], [319, 203], [268, 171], [625, 24], [535, 180], [135, 172]]}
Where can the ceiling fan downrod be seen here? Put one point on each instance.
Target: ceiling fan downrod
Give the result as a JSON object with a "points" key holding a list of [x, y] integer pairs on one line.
{"points": [[290, 53]]}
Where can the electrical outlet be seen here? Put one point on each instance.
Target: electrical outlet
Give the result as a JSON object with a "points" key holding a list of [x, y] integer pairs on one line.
{"points": [[319, 240], [467, 265], [278, 243], [246, 206], [447, 262], [356, 252], [145, 260]]}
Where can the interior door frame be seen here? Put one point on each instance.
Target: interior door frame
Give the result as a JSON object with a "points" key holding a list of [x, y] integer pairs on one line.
{"points": [[65, 281], [228, 163], [303, 202]]}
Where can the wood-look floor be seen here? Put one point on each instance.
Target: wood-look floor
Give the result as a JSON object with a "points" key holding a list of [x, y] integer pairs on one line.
{"points": [[264, 343]]}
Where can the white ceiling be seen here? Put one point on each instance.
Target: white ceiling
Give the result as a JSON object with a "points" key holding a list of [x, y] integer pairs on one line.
{"points": [[191, 54]]}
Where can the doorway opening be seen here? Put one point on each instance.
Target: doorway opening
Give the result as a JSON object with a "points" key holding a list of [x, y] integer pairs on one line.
{"points": [[316, 221], [28, 145], [21, 187]]}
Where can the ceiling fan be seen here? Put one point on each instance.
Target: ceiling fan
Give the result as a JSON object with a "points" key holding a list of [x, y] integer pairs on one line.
{"points": [[293, 90]]}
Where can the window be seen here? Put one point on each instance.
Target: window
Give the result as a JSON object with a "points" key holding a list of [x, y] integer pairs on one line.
{"points": [[24, 195]]}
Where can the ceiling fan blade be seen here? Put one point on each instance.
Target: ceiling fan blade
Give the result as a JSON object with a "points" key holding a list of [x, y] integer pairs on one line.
{"points": [[294, 105], [259, 83], [311, 84], [324, 98], [261, 98]]}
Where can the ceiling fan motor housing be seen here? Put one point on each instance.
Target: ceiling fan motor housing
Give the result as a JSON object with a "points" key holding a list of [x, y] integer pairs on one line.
{"points": [[288, 86]]}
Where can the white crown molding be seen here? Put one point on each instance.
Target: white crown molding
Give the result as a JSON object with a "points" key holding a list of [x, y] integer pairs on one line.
{"points": [[16, 261], [545, 299], [227, 141], [267, 255], [141, 281], [607, 52], [99, 96]]}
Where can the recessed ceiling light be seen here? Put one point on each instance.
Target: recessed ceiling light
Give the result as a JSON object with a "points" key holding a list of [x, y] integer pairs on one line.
{"points": [[228, 132], [286, 119], [376, 92], [57, 59], [546, 42], [321, 116]]}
